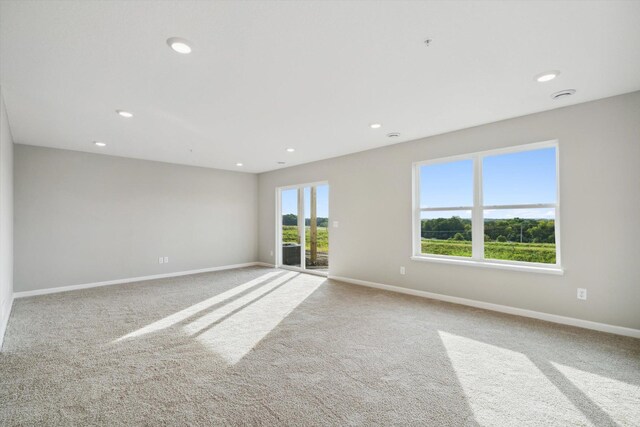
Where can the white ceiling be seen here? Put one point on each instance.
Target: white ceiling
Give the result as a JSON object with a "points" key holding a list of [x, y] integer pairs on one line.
{"points": [[312, 75]]}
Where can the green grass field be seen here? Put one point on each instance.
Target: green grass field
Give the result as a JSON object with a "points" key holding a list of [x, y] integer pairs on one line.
{"points": [[290, 235], [529, 252]]}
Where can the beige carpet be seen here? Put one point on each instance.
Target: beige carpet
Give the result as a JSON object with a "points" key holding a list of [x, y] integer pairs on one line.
{"points": [[259, 346]]}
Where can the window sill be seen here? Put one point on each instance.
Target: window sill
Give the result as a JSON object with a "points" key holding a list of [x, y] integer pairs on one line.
{"points": [[491, 264]]}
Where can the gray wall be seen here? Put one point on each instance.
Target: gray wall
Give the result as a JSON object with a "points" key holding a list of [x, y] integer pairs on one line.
{"points": [[370, 196], [84, 218], [6, 218]]}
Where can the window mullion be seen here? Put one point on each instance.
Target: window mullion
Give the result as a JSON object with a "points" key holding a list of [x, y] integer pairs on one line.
{"points": [[453, 208], [477, 226], [302, 235], [521, 206]]}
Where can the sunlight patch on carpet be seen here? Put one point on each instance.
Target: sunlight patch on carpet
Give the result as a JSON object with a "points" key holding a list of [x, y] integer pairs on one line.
{"points": [[196, 308], [502, 384], [210, 318], [620, 400], [235, 336]]}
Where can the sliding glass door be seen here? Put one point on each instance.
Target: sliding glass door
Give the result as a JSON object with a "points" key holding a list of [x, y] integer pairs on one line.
{"points": [[303, 227]]}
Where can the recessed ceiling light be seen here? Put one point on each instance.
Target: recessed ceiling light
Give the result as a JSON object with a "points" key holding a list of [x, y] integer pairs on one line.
{"points": [[180, 45], [547, 76], [393, 134], [100, 144], [123, 113], [375, 125], [563, 93], [238, 164], [290, 150]]}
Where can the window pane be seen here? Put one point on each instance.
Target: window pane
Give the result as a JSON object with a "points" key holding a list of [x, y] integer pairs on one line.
{"points": [[520, 235], [525, 177], [446, 184], [316, 236], [446, 233], [290, 237]]}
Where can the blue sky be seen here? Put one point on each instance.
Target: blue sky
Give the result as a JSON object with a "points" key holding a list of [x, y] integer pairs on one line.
{"points": [[509, 179], [290, 201], [519, 178]]}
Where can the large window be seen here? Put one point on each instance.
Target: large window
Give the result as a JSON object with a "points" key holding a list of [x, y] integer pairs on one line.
{"points": [[495, 208]]}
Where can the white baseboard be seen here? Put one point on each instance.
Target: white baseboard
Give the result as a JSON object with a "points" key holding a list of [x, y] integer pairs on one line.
{"points": [[5, 320], [587, 324], [24, 294]]}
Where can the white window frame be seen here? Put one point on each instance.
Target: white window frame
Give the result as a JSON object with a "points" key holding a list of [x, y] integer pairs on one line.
{"points": [[477, 214], [301, 228]]}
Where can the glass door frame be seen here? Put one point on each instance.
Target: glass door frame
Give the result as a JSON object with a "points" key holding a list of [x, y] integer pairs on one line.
{"points": [[301, 228]]}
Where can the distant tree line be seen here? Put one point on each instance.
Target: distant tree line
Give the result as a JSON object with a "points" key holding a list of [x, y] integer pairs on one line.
{"points": [[292, 219], [495, 230]]}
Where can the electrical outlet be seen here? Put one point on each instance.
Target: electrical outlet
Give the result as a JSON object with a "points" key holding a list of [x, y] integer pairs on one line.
{"points": [[582, 293], [402, 270], [160, 260], [166, 259], [335, 224], [271, 253]]}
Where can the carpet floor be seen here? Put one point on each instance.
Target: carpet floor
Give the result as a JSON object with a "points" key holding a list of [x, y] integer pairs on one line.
{"points": [[260, 346]]}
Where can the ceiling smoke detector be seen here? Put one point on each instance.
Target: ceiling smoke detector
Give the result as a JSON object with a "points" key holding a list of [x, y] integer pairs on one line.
{"points": [[563, 93], [393, 135]]}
